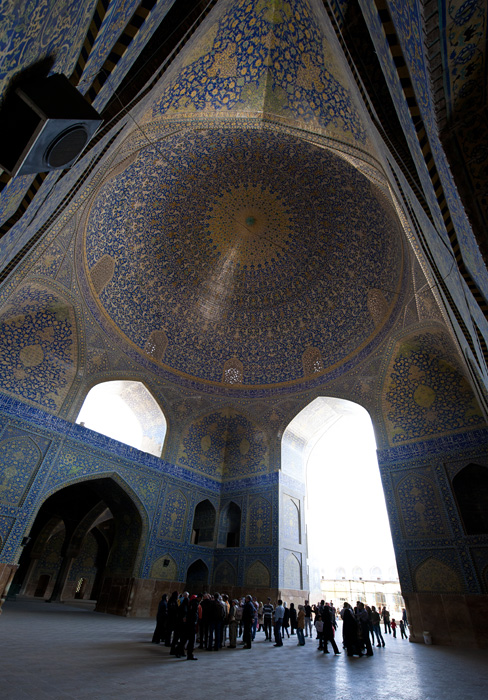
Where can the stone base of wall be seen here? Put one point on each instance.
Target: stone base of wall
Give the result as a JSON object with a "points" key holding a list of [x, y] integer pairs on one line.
{"points": [[297, 597], [451, 619], [136, 597]]}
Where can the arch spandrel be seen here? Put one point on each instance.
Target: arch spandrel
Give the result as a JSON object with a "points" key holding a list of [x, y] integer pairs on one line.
{"points": [[426, 392], [40, 336], [225, 445], [19, 459]]}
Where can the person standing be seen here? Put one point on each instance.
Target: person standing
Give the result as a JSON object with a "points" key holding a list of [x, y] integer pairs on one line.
{"points": [[363, 619], [375, 620], [161, 620], [247, 620], [255, 620], [402, 629], [206, 606], [286, 622], [333, 613], [301, 626], [278, 622], [268, 618], [404, 617], [233, 624], [319, 628], [293, 618], [350, 631], [386, 620], [172, 617], [328, 632], [180, 629], [217, 616], [189, 628], [308, 618]]}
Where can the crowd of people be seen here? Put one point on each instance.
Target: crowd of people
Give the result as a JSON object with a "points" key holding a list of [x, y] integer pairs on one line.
{"points": [[213, 619]]}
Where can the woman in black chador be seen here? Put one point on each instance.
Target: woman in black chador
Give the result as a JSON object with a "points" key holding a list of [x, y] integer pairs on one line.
{"points": [[350, 630], [172, 616], [161, 621], [328, 631], [293, 618]]}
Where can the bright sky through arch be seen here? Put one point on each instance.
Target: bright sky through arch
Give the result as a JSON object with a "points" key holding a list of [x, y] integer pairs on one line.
{"points": [[346, 519]]}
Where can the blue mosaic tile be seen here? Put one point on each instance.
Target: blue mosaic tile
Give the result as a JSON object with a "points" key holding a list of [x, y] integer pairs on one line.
{"points": [[242, 305]]}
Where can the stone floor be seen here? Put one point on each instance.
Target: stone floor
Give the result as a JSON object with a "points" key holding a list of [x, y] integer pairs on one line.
{"points": [[60, 651]]}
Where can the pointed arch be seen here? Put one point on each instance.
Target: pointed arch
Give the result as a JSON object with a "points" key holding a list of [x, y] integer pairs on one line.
{"points": [[165, 568], [434, 576], [197, 576], [110, 476], [204, 518], [230, 525], [470, 486], [125, 410], [53, 526], [258, 575], [292, 572], [291, 519], [225, 575]]}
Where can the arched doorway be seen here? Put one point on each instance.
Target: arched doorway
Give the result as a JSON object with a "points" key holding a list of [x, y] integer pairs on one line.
{"points": [[83, 545], [331, 446], [197, 577]]}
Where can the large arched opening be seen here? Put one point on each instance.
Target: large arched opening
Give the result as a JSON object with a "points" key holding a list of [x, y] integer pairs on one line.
{"points": [[126, 411], [330, 446], [83, 545]]}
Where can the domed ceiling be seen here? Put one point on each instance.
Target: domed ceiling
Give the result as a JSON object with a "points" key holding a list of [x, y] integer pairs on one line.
{"points": [[244, 257]]}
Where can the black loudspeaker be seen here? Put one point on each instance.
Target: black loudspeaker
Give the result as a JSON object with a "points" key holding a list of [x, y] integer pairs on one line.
{"points": [[45, 125]]}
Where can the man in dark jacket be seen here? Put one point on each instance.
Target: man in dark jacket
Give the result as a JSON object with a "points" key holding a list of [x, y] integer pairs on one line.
{"points": [[179, 634], [189, 628], [247, 620]]}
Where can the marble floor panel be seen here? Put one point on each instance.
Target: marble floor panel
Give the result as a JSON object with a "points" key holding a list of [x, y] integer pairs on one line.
{"points": [[62, 652]]}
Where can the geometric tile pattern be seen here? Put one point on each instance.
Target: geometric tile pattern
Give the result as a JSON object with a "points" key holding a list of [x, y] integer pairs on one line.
{"points": [[259, 522], [19, 458], [245, 266], [174, 516], [426, 393], [224, 445], [268, 56], [39, 338], [419, 505]]}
